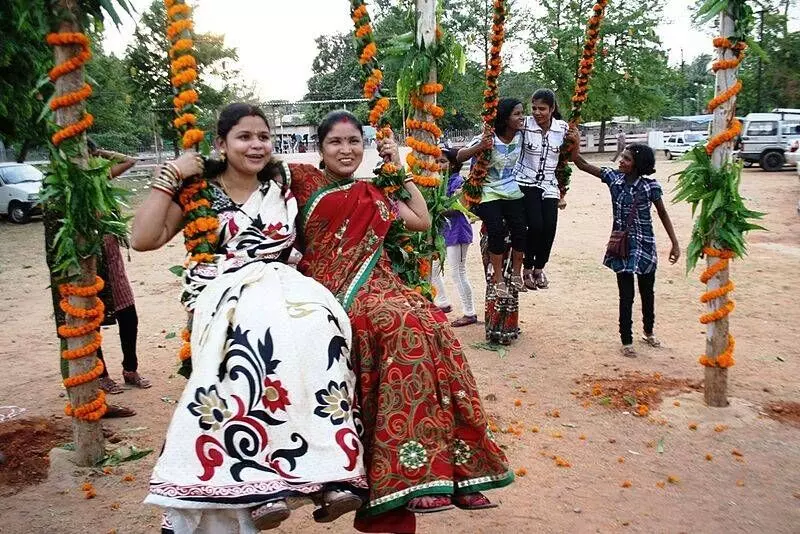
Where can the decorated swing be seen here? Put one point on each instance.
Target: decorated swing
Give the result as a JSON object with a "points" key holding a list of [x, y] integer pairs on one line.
{"points": [[78, 189]]}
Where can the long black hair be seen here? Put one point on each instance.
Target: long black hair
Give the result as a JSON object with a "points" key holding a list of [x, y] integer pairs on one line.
{"points": [[504, 110], [332, 119], [644, 160], [548, 97], [229, 117], [450, 153]]}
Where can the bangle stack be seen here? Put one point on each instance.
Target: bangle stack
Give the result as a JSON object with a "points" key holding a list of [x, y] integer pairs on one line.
{"points": [[409, 178], [168, 179]]}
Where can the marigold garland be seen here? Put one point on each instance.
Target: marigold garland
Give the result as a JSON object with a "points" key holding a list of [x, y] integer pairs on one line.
{"points": [[734, 125], [76, 97], [579, 97], [726, 358], [473, 187], [388, 177], [425, 172], [94, 410]]}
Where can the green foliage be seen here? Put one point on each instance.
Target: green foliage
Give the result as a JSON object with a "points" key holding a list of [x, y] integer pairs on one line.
{"points": [[24, 57], [723, 218], [149, 69], [88, 205], [630, 74]]}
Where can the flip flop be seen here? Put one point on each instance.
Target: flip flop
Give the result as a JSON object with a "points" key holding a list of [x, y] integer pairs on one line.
{"points": [[335, 504], [464, 321], [651, 340], [473, 501], [270, 515], [441, 503], [115, 411], [446, 309], [110, 386], [133, 378]]}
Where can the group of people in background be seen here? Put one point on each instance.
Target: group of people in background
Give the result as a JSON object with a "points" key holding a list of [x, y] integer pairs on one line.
{"points": [[376, 411]]}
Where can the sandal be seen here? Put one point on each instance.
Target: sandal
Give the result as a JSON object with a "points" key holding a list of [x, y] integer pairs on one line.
{"points": [[651, 340], [108, 385], [115, 410], [335, 504], [527, 277], [133, 378], [541, 280], [464, 321], [429, 504], [473, 501], [628, 351], [446, 309], [270, 515], [517, 282], [501, 290]]}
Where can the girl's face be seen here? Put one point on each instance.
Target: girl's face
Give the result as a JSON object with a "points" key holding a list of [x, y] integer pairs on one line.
{"points": [[444, 164], [248, 146], [542, 112], [343, 149], [516, 121], [626, 162]]}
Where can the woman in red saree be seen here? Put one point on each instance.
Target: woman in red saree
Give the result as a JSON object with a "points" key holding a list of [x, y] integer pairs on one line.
{"points": [[428, 446]]}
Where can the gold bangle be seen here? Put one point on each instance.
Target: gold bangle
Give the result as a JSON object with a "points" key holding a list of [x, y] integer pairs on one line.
{"points": [[163, 190], [177, 171]]}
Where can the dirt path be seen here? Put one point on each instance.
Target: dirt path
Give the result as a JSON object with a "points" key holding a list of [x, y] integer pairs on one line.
{"points": [[569, 341]]}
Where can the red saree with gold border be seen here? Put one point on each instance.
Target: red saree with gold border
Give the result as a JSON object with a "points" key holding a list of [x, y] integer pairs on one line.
{"points": [[425, 431]]}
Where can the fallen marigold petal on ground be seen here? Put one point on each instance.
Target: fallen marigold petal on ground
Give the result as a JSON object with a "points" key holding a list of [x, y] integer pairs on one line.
{"points": [[582, 437], [517, 402], [128, 477], [672, 479], [621, 460], [720, 428], [626, 484], [535, 429], [87, 486], [521, 472], [709, 457], [740, 483], [676, 403], [660, 484], [736, 452], [692, 426], [561, 462]]}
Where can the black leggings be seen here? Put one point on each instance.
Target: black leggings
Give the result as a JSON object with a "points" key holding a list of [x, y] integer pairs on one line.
{"points": [[503, 217], [128, 323], [542, 219], [646, 293]]}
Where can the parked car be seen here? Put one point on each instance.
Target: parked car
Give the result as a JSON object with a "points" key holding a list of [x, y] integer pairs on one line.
{"points": [[20, 185], [766, 135], [792, 153], [678, 144]]}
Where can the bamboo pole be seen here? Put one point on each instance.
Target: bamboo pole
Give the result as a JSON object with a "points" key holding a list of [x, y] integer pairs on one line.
{"points": [[716, 378], [88, 435]]}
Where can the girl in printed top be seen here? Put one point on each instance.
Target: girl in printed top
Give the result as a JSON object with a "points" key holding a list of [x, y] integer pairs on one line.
{"points": [[501, 209], [542, 137], [633, 190], [457, 234]]}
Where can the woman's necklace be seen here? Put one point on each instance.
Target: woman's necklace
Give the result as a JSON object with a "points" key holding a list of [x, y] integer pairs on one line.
{"points": [[335, 180], [228, 191]]}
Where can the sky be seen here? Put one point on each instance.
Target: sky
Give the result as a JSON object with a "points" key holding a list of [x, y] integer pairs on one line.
{"points": [[276, 50]]}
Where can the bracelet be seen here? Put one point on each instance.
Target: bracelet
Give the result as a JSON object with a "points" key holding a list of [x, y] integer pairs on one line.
{"points": [[163, 190], [409, 178], [175, 169]]}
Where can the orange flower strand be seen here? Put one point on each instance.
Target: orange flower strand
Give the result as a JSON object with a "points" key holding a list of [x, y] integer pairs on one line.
{"points": [[724, 96], [181, 45], [716, 315], [423, 147], [426, 181], [73, 130], [82, 313], [359, 13], [91, 411], [71, 99], [363, 31], [86, 350], [71, 290], [368, 54], [178, 27], [184, 62], [717, 293], [186, 118], [180, 9], [432, 88], [87, 377], [724, 360], [192, 137], [185, 352]]}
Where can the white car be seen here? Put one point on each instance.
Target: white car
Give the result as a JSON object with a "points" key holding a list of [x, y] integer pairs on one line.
{"points": [[20, 185], [678, 144], [792, 154]]}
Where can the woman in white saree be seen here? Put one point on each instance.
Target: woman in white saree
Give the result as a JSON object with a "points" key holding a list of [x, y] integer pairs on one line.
{"points": [[267, 419]]}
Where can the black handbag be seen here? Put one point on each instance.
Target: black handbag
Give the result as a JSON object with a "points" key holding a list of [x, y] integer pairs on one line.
{"points": [[617, 246]]}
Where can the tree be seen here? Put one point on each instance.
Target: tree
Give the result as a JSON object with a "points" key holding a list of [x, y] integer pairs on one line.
{"points": [[335, 75], [149, 68], [24, 56], [631, 72]]}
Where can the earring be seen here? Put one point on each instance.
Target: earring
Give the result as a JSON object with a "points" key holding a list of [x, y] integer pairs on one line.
{"points": [[222, 156]]}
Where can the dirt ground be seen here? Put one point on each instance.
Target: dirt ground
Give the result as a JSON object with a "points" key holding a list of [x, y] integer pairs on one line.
{"points": [[589, 462]]}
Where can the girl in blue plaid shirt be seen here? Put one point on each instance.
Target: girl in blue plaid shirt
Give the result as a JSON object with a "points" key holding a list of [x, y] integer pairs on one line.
{"points": [[632, 186]]}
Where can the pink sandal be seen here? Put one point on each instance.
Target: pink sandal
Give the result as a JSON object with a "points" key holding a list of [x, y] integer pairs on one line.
{"points": [[429, 504], [473, 501]]}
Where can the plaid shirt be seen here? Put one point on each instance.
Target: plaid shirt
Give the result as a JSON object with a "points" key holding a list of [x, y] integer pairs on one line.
{"points": [[642, 257]]}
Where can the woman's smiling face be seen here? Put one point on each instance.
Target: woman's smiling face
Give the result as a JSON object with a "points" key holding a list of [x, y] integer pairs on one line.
{"points": [[343, 149], [248, 146]]}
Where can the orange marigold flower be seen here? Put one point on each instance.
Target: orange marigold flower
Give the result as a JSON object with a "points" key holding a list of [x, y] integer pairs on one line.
{"points": [[709, 457], [561, 462], [521, 472], [642, 410], [626, 484], [621, 460], [692, 426], [535, 429], [517, 402], [720, 428], [128, 477], [672, 479], [660, 484]]}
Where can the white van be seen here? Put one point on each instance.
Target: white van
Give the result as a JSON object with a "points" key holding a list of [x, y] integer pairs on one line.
{"points": [[20, 185], [678, 144], [766, 135]]}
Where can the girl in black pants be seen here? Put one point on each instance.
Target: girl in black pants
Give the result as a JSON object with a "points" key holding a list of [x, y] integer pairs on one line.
{"points": [[633, 190], [501, 208], [543, 136]]}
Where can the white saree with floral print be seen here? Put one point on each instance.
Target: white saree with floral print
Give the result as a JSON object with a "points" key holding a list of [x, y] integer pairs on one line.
{"points": [[268, 411]]}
